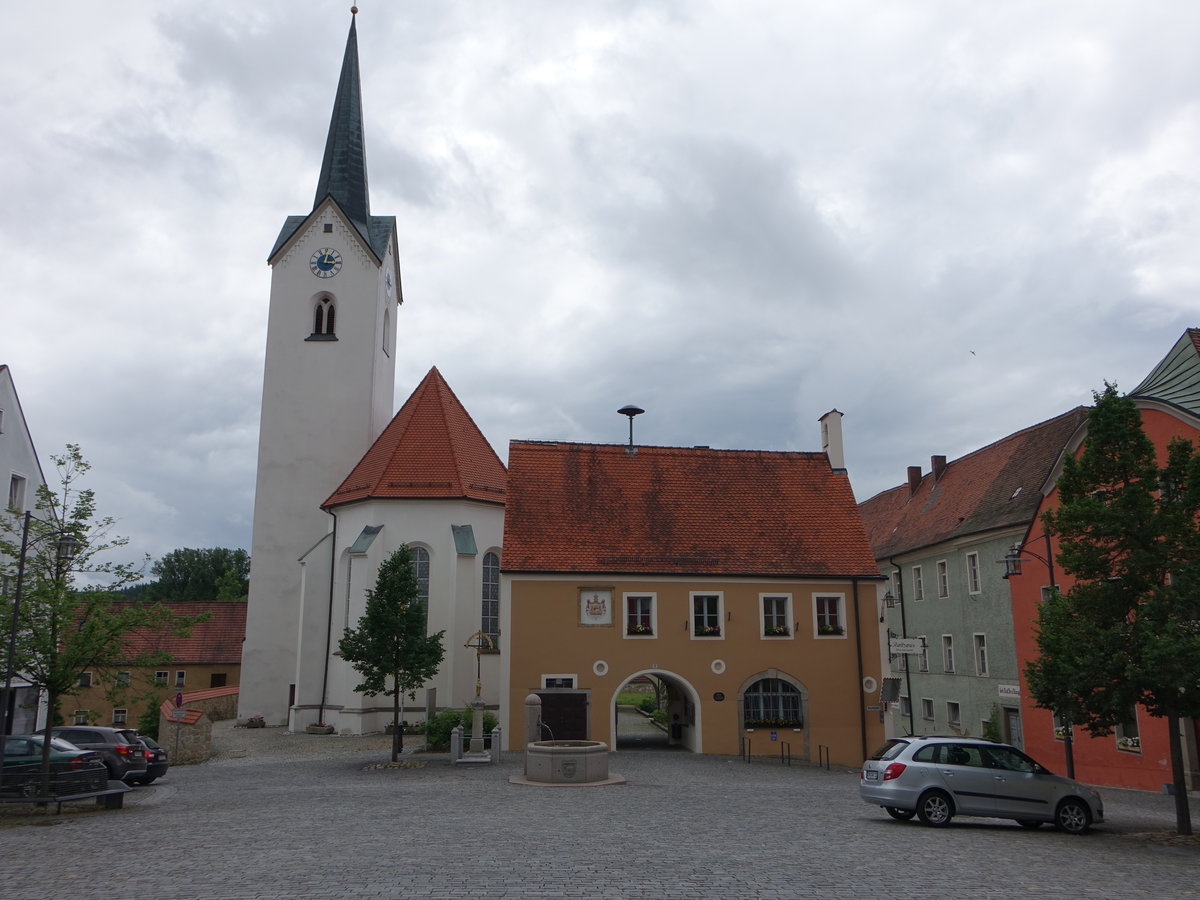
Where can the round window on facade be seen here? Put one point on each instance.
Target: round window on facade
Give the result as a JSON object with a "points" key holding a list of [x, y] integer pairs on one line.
{"points": [[870, 685], [600, 667], [718, 666]]}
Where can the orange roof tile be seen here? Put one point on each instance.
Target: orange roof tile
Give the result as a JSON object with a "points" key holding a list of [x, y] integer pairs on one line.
{"points": [[594, 508], [431, 449], [217, 640], [996, 486]]}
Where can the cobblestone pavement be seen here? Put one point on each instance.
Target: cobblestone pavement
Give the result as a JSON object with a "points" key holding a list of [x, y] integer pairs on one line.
{"points": [[299, 816]]}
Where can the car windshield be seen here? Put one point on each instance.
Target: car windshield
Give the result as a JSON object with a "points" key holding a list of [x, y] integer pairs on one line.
{"points": [[890, 750]]}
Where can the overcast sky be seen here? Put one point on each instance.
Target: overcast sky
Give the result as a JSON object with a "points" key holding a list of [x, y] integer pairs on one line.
{"points": [[948, 220]]}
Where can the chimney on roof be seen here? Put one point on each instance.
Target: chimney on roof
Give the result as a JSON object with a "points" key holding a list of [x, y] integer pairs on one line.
{"points": [[937, 465], [914, 479], [831, 440]]}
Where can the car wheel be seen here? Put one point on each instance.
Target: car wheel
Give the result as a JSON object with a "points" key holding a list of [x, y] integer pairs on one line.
{"points": [[1073, 816], [935, 808], [1029, 823], [902, 814]]}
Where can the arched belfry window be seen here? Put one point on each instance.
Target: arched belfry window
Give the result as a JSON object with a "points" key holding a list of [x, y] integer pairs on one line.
{"points": [[324, 320], [490, 622]]}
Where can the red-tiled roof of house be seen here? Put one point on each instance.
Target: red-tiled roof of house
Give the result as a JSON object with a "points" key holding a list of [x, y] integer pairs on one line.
{"points": [[216, 640], [993, 487], [596, 508], [432, 449]]}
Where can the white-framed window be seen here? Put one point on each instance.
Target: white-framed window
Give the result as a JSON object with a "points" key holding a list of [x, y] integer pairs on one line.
{"points": [[953, 714], [85, 679], [79, 717], [558, 681], [420, 564], [1046, 592], [490, 614], [927, 709], [180, 677], [973, 573], [948, 652], [776, 615], [1, 420], [905, 706], [707, 615], [943, 579], [640, 615], [161, 676], [828, 618], [897, 587], [124, 678], [918, 583], [923, 656], [1129, 738], [16, 492], [120, 717], [981, 657]]}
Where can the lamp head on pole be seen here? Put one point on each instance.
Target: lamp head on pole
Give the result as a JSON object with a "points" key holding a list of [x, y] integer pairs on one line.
{"points": [[1012, 561], [631, 411]]}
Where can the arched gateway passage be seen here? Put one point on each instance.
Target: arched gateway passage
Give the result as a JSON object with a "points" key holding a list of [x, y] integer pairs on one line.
{"points": [[651, 689]]}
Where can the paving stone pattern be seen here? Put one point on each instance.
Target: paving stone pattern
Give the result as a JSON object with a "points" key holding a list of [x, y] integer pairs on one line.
{"points": [[301, 816]]}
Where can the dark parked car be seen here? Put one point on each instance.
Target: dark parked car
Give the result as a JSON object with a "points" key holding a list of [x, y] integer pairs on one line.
{"points": [[72, 771], [935, 777], [124, 757], [156, 758]]}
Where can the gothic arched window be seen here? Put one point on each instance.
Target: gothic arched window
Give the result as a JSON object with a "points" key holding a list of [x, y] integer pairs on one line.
{"points": [[324, 315], [420, 564], [490, 621]]}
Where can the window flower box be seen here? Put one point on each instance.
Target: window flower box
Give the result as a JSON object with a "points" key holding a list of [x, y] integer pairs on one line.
{"points": [[830, 630], [1132, 744], [776, 631], [708, 631], [639, 630]]}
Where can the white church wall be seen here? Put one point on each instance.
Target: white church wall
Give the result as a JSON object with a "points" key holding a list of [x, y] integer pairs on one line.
{"points": [[455, 605]]}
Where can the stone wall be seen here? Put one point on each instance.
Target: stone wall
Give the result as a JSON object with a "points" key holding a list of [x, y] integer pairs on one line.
{"points": [[186, 731]]}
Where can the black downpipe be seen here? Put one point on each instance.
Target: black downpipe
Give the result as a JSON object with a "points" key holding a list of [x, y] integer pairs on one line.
{"points": [[862, 721], [912, 728], [329, 620]]}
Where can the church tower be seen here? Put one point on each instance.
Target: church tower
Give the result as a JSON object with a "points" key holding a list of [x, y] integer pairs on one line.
{"points": [[327, 388]]}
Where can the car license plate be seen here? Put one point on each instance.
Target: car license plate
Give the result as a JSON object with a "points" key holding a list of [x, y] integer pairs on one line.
{"points": [[872, 775]]}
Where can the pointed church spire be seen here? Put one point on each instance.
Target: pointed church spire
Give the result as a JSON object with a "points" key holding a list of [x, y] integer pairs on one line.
{"points": [[344, 168]]}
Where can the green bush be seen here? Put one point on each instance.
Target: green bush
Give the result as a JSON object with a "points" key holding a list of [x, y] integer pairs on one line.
{"points": [[659, 716], [147, 723], [439, 726], [648, 705]]}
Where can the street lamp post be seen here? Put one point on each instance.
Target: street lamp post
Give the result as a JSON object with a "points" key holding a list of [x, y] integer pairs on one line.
{"points": [[1012, 566]]}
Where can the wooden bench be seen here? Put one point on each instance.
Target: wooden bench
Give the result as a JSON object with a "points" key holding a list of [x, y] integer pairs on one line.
{"points": [[111, 797]]}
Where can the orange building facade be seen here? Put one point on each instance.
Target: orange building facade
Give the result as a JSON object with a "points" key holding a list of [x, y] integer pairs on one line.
{"points": [[740, 583]]}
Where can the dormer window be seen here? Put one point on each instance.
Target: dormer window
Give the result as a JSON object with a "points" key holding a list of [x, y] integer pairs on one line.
{"points": [[324, 320]]}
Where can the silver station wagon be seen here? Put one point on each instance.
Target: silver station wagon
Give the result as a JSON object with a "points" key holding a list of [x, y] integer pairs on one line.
{"points": [[938, 777]]}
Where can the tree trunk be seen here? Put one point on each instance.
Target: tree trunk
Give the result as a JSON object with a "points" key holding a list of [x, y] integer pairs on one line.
{"points": [[51, 705], [397, 727], [1183, 816]]}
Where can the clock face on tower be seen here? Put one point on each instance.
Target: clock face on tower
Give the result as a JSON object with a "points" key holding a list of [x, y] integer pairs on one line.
{"points": [[325, 263]]}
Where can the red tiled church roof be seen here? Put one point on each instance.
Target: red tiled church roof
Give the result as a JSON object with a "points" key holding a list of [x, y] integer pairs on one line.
{"points": [[432, 449], [216, 640], [994, 487], [593, 508]]}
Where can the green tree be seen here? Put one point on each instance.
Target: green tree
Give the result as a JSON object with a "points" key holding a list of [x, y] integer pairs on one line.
{"points": [[211, 575], [64, 628], [1127, 631], [390, 649]]}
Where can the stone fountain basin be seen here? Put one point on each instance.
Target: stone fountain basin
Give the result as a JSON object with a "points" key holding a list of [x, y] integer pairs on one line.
{"points": [[566, 762]]}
